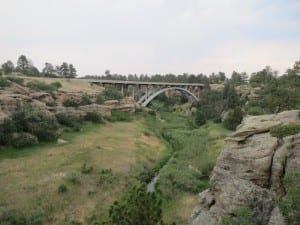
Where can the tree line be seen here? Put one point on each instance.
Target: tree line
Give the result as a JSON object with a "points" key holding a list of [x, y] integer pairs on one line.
{"points": [[26, 67]]}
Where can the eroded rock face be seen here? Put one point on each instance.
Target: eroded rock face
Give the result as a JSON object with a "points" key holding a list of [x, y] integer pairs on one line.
{"points": [[248, 172], [16, 95]]}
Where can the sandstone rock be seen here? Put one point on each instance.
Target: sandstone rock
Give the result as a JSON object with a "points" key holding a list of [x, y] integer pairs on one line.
{"points": [[263, 123], [276, 217], [278, 166], [248, 172], [293, 157], [42, 96], [15, 88], [9, 102]]}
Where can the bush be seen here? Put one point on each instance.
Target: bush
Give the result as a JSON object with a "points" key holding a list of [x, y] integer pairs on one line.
{"points": [[62, 188], [51, 103], [4, 82], [285, 130], [21, 140], [117, 115], [42, 86], [86, 169], [69, 121], [37, 123], [242, 217], [74, 178], [71, 103], [94, 117], [56, 84], [106, 177], [255, 110], [200, 118], [289, 205], [136, 206], [13, 217], [7, 128], [17, 80], [100, 99], [112, 93], [85, 100], [233, 119], [152, 113]]}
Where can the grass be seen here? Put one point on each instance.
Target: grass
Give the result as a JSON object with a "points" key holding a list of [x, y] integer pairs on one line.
{"points": [[194, 155], [100, 163], [30, 177]]}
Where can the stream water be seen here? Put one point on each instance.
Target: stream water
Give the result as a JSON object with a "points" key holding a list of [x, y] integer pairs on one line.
{"points": [[151, 185]]}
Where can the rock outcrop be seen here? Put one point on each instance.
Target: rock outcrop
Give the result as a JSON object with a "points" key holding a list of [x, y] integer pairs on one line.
{"points": [[248, 173], [16, 94]]}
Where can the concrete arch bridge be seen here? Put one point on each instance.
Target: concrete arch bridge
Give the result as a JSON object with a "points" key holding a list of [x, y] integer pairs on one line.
{"points": [[144, 92]]}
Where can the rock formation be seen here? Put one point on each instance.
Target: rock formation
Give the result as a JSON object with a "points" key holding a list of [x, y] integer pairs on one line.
{"points": [[249, 172], [16, 94]]}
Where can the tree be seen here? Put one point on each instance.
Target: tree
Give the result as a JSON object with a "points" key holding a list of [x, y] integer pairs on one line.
{"points": [[233, 118], [137, 207], [230, 96], [64, 69], [49, 70], [200, 118], [72, 71], [8, 67], [23, 63], [26, 67], [238, 78]]}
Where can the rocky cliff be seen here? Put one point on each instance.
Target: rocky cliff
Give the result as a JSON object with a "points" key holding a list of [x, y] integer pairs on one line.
{"points": [[249, 172], [15, 94]]}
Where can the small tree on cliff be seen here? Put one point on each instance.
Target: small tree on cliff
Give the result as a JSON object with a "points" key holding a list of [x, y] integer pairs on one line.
{"points": [[137, 207]]}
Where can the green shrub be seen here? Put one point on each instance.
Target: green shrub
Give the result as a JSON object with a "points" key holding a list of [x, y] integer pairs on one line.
{"points": [[152, 112], [71, 103], [117, 115], [17, 80], [69, 121], [37, 123], [234, 118], [62, 188], [73, 177], [285, 130], [7, 128], [85, 100], [86, 169], [100, 99], [200, 118], [42, 86], [13, 217], [241, 217], [289, 205], [21, 140], [136, 206], [94, 117], [111, 93], [4, 82], [56, 84], [106, 177], [51, 103], [255, 110]]}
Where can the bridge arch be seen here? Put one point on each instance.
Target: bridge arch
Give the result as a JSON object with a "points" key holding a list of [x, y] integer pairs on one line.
{"points": [[148, 99]]}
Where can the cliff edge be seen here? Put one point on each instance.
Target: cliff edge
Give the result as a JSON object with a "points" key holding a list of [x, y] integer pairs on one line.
{"points": [[249, 172]]}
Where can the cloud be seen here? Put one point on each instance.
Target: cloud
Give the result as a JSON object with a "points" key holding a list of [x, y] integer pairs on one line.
{"points": [[153, 36]]}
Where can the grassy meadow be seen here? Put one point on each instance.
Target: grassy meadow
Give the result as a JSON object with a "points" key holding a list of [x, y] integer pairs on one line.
{"points": [[76, 182], [113, 155]]}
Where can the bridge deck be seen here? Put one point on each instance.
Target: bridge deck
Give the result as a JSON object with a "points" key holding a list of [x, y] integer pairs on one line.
{"points": [[99, 81]]}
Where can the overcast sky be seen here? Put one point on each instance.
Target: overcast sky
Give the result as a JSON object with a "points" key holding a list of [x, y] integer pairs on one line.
{"points": [[152, 36]]}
